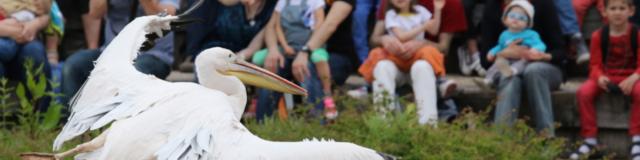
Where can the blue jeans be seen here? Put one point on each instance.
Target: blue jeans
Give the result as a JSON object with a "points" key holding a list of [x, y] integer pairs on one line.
{"points": [[538, 80], [567, 17], [268, 100], [79, 65], [360, 26], [341, 67], [13, 57]]}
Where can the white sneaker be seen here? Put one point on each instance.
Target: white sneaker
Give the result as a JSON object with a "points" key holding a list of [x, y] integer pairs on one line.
{"points": [[358, 93], [447, 88], [583, 58], [464, 61]]}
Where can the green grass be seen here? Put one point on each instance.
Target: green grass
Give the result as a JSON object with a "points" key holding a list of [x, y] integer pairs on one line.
{"points": [[469, 137], [399, 134]]}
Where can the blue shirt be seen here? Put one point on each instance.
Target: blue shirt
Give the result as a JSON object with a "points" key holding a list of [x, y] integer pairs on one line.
{"points": [[118, 16], [530, 38]]}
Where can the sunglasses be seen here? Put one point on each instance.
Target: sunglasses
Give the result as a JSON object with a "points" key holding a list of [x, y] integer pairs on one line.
{"points": [[518, 16]]}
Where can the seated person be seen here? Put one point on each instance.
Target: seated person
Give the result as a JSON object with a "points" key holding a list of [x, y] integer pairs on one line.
{"points": [[229, 24], [613, 71], [408, 22], [518, 17], [342, 58], [156, 61], [292, 31], [20, 21]]}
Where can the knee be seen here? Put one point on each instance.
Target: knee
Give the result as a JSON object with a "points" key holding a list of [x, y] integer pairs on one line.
{"points": [[383, 69], [533, 70], [33, 50], [74, 63], [8, 49], [587, 91], [421, 66], [149, 64]]}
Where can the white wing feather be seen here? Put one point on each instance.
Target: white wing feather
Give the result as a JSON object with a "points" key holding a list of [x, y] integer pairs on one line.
{"points": [[113, 83]]}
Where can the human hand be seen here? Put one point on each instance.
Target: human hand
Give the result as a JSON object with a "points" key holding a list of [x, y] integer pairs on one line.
{"points": [[299, 66], [392, 44], [288, 50], [514, 50], [273, 61], [536, 56], [438, 4], [411, 48], [12, 22], [627, 84], [29, 31], [602, 82], [244, 54]]}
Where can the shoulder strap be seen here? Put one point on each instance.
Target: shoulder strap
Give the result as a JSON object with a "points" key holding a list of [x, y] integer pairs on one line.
{"points": [[604, 43]]}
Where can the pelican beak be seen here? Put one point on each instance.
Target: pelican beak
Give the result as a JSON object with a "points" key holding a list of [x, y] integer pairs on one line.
{"points": [[256, 76]]}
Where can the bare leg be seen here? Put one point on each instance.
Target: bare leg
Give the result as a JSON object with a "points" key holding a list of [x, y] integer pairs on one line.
{"points": [[52, 49], [85, 147], [325, 76], [91, 31], [472, 45]]}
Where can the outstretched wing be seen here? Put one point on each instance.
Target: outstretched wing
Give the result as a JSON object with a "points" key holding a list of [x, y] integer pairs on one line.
{"points": [[114, 84]]}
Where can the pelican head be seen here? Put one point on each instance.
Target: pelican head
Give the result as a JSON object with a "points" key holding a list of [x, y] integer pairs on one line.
{"points": [[226, 63]]}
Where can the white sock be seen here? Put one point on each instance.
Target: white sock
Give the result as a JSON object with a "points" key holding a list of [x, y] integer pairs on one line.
{"points": [[584, 148], [635, 148], [592, 141]]}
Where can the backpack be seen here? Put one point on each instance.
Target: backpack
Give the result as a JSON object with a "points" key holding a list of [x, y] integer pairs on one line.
{"points": [[604, 43]]}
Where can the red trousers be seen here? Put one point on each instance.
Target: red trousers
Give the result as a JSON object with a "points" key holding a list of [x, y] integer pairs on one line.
{"points": [[582, 6], [586, 97]]}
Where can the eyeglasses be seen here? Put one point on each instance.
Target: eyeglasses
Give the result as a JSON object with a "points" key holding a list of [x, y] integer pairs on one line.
{"points": [[518, 16]]}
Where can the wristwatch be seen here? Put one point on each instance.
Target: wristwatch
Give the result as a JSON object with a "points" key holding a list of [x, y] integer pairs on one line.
{"points": [[306, 49]]}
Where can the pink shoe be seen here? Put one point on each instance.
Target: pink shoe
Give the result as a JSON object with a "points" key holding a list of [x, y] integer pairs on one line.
{"points": [[330, 111]]}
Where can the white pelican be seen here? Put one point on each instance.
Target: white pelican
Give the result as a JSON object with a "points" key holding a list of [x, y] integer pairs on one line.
{"points": [[155, 119]]}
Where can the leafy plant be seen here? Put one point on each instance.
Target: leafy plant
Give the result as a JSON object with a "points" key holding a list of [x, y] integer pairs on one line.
{"points": [[31, 94]]}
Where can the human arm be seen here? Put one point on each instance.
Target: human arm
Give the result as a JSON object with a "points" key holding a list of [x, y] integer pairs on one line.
{"points": [[255, 45], [391, 24], [595, 62], [536, 42], [10, 29], [32, 27], [282, 40], [340, 10], [153, 7], [97, 8], [433, 26], [500, 46], [274, 59], [318, 15]]}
